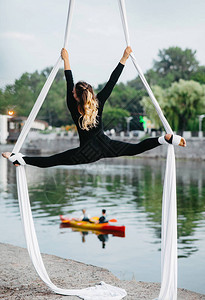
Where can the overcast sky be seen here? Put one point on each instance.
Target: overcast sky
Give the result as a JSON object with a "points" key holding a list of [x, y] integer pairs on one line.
{"points": [[32, 32]]}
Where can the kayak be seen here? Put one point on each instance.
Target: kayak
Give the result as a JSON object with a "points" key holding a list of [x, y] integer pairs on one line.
{"points": [[102, 227]]}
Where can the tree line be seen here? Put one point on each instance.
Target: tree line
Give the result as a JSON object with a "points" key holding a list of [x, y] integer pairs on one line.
{"points": [[176, 77]]}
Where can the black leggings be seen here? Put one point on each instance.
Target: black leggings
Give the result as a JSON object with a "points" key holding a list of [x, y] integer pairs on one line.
{"points": [[99, 147]]}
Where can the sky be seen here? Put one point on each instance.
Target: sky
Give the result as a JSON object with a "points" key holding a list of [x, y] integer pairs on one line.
{"points": [[32, 33]]}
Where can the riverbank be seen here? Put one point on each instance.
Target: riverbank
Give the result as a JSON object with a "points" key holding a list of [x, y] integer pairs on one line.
{"points": [[18, 279], [49, 144]]}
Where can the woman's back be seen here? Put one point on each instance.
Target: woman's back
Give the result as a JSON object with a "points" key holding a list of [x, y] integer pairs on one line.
{"points": [[102, 96]]}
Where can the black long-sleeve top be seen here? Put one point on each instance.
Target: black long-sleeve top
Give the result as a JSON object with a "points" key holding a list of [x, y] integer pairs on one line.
{"points": [[102, 96]]}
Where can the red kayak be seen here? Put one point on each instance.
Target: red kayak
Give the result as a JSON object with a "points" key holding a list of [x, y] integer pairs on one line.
{"points": [[102, 227]]}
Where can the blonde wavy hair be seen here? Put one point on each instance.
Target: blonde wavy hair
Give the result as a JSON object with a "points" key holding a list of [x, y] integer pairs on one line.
{"points": [[87, 105]]}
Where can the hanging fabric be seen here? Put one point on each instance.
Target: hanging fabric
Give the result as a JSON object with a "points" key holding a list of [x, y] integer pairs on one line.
{"points": [[169, 211], [101, 291], [169, 223]]}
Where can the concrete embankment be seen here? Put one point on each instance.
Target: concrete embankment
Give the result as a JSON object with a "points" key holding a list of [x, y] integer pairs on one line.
{"points": [[18, 279], [41, 144], [194, 150]]}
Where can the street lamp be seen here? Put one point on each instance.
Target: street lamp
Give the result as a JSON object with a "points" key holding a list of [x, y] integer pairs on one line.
{"points": [[128, 119], [10, 112]]}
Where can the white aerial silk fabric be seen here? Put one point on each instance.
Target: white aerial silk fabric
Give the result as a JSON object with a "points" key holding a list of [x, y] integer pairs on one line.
{"points": [[175, 141], [102, 291], [169, 211]]}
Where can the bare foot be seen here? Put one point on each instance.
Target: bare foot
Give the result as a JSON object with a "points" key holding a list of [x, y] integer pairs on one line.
{"points": [[168, 136], [7, 155], [182, 141]]}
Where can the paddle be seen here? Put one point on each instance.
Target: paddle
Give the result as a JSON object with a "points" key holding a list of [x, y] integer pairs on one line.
{"points": [[112, 220]]}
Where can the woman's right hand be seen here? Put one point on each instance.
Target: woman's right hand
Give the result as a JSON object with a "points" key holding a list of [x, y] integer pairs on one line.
{"points": [[64, 54], [127, 52]]}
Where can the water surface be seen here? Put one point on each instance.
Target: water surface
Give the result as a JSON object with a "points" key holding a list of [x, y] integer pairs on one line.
{"points": [[131, 191]]}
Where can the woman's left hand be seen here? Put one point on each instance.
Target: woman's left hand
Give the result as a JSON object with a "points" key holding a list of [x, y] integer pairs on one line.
{"points": [[126, 55], [64, 54]]}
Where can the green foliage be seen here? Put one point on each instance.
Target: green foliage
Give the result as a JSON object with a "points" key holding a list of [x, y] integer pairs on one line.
{"points": [[199, 75], [126, 97], [181, 103], [21, 96], [185, 101], [2, 103], [54, 108], [149, 108], [114, 117], [173, 64]]}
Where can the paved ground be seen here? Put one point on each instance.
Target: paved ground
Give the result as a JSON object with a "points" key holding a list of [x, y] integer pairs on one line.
{"points": [[19, 281]]}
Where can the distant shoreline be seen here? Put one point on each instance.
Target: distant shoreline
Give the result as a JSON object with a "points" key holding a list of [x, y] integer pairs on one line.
{"points": [[193, 151], [18, 278]]}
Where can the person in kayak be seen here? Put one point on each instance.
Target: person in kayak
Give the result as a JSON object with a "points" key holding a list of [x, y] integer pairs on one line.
{"points": [[103, 219], [85, 216], [86, 110]]}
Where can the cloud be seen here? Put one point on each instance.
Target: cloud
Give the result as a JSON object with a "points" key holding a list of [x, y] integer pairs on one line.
{"points": [[17, 36]]}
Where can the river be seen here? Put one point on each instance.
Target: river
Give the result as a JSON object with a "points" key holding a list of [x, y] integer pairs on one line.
{"points": [[130, 189]]}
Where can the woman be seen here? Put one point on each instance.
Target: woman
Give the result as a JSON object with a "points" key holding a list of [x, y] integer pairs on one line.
{"points": [[86, 110]]}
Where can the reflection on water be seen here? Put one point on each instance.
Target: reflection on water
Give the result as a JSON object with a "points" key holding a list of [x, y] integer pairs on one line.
{"points": [[102, 235], [103, 238], [131, 191]]}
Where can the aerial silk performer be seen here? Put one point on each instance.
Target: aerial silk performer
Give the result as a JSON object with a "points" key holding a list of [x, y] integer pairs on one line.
{"points": [[86, 110]]}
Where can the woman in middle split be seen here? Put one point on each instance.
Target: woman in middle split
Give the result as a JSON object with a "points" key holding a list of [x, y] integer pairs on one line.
{"points": [[86, 110]]}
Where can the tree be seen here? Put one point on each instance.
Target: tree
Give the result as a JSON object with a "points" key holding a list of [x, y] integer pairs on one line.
{"points": [[3, 105], [173, 64], [114, 117], [22, 95], [126, 97], [199, 75], [54, 109], [181, 103], [149, 108], [176, 64], [19, 97], [185, 101]]}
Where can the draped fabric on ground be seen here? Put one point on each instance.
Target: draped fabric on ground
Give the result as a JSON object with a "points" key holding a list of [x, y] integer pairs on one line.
{"points": [[169, 211], [169, 227]]}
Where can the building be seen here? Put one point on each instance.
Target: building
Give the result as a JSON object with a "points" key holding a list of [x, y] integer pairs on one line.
{"points": [[10, 128]]}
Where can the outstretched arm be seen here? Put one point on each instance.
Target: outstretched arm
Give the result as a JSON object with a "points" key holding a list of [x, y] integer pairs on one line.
{"points": [[71, 103], [126, 55], [64, 55], [107, 90]]}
